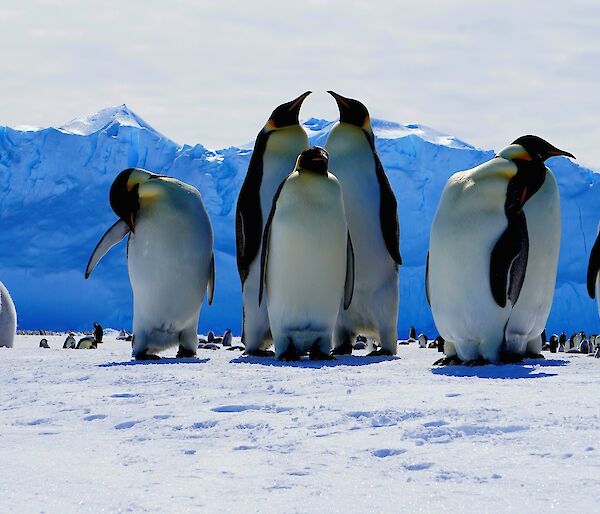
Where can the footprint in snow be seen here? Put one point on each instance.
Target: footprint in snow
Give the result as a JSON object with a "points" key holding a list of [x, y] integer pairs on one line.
{"points": [[94, 417], [418, 467], [387, 452], [127, 424]]}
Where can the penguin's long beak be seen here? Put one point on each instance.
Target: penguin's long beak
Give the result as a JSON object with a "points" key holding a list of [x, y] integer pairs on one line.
{"points": [[351, 111], [124, 194], [556, 152], [286, 114]]}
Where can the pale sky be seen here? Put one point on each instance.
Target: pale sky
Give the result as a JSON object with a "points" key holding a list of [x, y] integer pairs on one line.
{"points": [[211, 72]]}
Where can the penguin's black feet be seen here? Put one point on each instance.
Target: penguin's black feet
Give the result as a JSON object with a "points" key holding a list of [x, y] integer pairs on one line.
{"points": [[290, 355], [259, 353], [315, 354], [232, 348], [144, 356], [511, 357], [184, 353], [344, 349], [448, 361], [379, 353], [531, 355], [476, 362]]}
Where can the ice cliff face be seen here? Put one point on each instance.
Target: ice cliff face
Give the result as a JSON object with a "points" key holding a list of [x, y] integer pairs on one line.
{"points": [[54, 185]]}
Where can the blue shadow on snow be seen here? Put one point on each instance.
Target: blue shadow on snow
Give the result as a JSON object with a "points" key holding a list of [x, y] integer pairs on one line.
{"points": [[162, 360], [526, 369], [340, 360]]}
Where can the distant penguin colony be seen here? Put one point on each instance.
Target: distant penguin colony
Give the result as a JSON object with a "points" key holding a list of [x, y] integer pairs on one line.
{"points": [[493, 255], [169, 258]]}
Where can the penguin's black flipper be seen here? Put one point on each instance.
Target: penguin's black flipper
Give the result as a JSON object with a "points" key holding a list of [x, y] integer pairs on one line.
{"points": [[388, 207], [349, 282], [248, 216], [593, 268], [508, 261], [210, 287], [388, 212], [265, 244], [112, 236]]}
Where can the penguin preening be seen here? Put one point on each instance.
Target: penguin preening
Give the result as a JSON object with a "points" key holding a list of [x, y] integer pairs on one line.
{"points": [[276, 149], [307, 267], [169, 258], [371, 211], [8, 318], [494, 253]]}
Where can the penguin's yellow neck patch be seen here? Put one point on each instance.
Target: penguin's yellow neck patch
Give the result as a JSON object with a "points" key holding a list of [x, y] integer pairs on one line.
{"points": [[512, 152]]}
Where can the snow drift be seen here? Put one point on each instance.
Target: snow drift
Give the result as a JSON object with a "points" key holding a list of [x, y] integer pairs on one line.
{"points": [[54, 185]]}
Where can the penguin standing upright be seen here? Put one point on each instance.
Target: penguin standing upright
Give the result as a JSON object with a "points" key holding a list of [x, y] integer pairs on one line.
{"points": [[493, 255], [306, 260], [8, 318], [553, 346], [169, 258], [276, 149], [412, 334], [372, 215]]}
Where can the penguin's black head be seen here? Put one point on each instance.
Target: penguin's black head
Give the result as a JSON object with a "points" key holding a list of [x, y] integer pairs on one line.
{"points": [[351, 111], [538, 148], [124, 193], [314, 159], [287, 114]]}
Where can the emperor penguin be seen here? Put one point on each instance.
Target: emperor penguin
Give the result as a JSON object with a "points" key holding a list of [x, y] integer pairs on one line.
{"points": [[169, 258], [422, 341], [227, 338], [493, 255], [307, 268], [8, 318], [372, 215], [277, 146], [553, 346]]}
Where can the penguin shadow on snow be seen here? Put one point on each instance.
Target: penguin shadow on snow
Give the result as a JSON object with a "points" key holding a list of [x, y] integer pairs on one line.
{"points": [[162, 360], [340, 360], [526, 369]]}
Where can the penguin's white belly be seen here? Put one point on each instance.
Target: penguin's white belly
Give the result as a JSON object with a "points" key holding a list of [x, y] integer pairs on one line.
{"points": [[374, 269], [306, 266], [465, 229], [168, 260], [530, 312]]}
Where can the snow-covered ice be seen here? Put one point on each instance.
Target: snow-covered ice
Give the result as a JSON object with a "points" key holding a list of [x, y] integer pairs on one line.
{"points": [[91, 431]]}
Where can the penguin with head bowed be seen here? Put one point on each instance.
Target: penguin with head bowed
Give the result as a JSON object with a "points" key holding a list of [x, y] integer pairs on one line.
{"points": [[493, 255], [307, 268], [277, 146], [372, 215], [169, 258], [8, 318]]}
